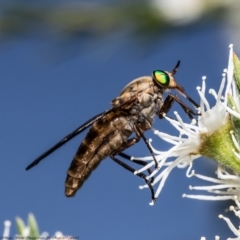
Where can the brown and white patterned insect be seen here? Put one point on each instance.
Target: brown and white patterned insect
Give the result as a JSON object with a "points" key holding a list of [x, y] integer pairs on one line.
{"points": [[132, 111]]}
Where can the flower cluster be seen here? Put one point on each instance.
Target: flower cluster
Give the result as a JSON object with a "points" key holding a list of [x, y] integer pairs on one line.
{"points": [[214, 135]]}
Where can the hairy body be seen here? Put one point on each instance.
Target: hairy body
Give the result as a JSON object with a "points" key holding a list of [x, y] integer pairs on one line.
{"points": [[108, 135]]}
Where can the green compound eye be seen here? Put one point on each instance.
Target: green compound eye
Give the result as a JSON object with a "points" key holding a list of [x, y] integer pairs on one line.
{"points": [[161, 77]]}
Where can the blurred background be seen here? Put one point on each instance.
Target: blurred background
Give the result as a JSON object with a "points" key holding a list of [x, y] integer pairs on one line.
{"points": [[62, 63]]}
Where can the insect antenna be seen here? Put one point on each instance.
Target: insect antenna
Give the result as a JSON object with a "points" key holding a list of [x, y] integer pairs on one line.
{"points": [[176, 68]]}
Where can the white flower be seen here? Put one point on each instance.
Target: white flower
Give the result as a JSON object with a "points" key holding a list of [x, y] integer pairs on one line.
{"points": [[225, 187], [214, 136], [236, 210]]}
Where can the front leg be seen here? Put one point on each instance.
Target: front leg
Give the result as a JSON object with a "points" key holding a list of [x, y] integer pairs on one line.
{"points": [[163, 109]]}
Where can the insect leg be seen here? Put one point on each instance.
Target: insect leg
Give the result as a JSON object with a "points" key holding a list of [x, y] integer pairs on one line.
{"points": [[164, 109], [129, 143], [128, 157], [139, 132], [132, 170]]}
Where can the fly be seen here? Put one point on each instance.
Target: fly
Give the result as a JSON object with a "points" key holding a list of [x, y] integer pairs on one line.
{"points": [[132, 111]]}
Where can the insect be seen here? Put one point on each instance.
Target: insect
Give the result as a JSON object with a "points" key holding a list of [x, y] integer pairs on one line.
{"points": [[132, 112]]}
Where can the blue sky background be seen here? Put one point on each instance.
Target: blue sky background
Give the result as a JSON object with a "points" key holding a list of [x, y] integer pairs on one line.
{"points": [[42, 99]]}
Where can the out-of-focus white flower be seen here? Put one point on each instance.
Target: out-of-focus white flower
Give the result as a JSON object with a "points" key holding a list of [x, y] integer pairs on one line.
{"points": [[6, 231], [180, 12], [216, 238], [24, 231], [215, 136], [186, 11]]}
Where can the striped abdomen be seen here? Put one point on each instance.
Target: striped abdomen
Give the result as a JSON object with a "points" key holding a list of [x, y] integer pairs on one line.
{"points": [[105, 137]]}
